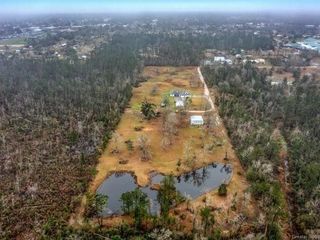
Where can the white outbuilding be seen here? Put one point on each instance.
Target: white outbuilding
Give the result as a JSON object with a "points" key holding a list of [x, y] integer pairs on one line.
{"points": [[196, 120], [179, 103], [219, 59]]}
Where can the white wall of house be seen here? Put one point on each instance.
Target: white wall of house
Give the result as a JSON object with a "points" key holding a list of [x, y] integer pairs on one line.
{"points": [[196, 120]]}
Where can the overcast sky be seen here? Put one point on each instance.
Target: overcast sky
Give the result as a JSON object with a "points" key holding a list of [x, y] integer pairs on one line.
{"points": [[98, 6]]}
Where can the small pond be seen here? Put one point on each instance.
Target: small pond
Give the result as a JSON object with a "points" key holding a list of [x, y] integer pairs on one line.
{"points": [[200, 181], [191, 185]]}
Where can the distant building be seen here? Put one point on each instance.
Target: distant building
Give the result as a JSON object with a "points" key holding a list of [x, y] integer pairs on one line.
{"points": [[219, 59], [276, 83], [83, 57], [196, 120], [222, 60], [255, 61], [229, 61], [260, 61], [308, 43]]}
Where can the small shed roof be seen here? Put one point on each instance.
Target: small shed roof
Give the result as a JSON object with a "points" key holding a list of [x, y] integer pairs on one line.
{"points": [[196, 118], [179, 103], [219, 59]]}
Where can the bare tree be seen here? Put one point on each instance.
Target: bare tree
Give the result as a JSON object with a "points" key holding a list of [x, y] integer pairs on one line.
{"points": [[211, 122], [144, 147], [154, 90], [116, 139], [165, 141], [189, 154], [194, 81], [169, 127]]}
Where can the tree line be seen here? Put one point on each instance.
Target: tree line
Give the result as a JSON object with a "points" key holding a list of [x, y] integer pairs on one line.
{"points": [[272, 128], [163, 49]]}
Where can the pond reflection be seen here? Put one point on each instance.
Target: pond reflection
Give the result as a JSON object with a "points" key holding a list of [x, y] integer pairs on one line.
{"points": [[191, 185]]}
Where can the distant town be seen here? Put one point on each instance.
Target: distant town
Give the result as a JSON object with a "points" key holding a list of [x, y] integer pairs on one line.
{"points": [[297, 46]]}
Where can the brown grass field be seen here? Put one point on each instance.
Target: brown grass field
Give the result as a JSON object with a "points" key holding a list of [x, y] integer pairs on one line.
{"points": [[165, 160]]}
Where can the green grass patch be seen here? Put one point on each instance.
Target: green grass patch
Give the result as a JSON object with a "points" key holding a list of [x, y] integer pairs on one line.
{"points": [[14, 41]]}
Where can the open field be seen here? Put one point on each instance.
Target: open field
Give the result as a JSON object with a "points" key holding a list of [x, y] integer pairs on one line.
{"points": [[14, 41], [208, 147], [163, 160]]}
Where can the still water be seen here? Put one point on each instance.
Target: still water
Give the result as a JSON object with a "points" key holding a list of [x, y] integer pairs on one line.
{"points": [[191, 185]]}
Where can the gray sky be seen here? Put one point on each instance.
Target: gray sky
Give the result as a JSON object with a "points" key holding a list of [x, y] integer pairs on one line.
{"points": [[84, 6]]}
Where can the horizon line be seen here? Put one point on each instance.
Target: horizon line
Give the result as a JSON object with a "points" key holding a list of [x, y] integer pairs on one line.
{"points": [[143, 12]]}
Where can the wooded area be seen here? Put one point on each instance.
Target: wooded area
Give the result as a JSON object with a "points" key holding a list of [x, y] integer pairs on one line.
{"points": [[55, 116], [165, 49], [272, 127]]}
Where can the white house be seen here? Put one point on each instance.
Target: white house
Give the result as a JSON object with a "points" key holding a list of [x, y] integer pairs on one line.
{"points": [[275, 83], [260, 61], [219, 59], [229, 61], [196, 120], [179, 102], [222, 60], [257, 61]]}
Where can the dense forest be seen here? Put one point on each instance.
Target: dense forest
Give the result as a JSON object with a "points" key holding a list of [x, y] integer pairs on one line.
{"points": [[187, 49], [165, 49], [55, 115], [275, 131]]}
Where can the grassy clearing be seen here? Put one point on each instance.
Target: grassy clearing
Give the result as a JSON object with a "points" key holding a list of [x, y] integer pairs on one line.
{"points": [[199, 103], [165, 79], [13, 41]]}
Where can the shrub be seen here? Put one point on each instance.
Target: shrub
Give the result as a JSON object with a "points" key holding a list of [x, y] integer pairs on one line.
{"points": [[129, 144], [274, 232], [222, 191], [138, 128], [259, 189], [147, 109]]}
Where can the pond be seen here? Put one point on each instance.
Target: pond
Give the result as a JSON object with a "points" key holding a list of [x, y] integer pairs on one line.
{"points": [[200, 181], [114, 186], [191, 185]]}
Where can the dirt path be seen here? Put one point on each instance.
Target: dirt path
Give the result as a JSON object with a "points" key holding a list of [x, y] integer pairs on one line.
{"points": [[206, 94], [206, 89]]}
